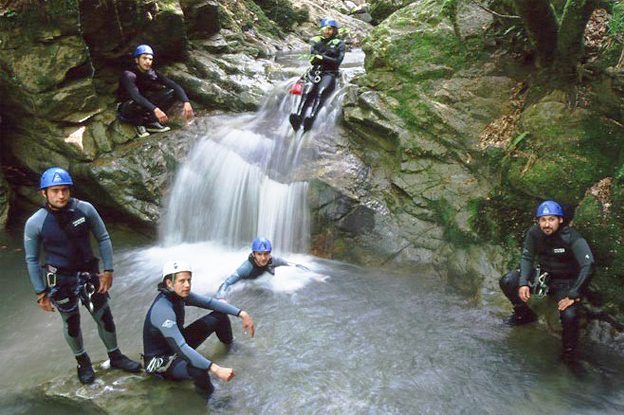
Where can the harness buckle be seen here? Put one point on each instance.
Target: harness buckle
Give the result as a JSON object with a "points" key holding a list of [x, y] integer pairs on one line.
{"points": [[540, 285], [51, 279]]}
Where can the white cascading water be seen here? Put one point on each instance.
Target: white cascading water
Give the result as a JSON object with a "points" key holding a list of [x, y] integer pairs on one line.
{"points": [[242, 179]]}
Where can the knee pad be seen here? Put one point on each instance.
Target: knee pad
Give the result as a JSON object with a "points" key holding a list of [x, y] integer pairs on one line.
{"points": [[107, 319], [506, 280], [73, 325]]}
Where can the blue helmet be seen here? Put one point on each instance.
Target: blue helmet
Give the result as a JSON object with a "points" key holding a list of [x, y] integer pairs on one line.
{"points": [[549, 208], [142, 50], [55, 176], [328, 21], [261, 244]]}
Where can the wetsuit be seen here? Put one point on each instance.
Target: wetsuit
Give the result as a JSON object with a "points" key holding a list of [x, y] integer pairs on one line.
{"points": [[139, 93], [568, 260], [169, 347], [70, 270], [320, 80], [249, 270]]}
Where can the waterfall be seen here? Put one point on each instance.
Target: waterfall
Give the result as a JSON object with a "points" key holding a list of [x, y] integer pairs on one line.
{"points": [[245, 177]]}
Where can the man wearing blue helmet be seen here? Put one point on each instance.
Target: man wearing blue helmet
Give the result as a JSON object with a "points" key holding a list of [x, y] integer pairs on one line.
{"points": [[564, 263], [145, 95], [62, 227], [327, 53], [258, 262]]}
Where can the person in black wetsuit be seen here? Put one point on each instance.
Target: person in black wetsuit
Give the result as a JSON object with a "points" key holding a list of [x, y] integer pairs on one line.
{"points": [[327, 52], [259, 261], [71, 273], [170, 347], [145, 95], [565, 265]]}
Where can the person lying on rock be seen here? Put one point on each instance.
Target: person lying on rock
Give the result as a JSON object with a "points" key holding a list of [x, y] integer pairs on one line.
{"points": [[170, 347], [70, 273], [145, 95], [258, 262], [327, 53], [565, 265]]}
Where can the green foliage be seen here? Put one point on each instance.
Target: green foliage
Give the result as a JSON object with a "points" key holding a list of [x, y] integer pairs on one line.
{"points": [[380, 9], [445, 215], [449, 9], [616, 23], [283, 13]]}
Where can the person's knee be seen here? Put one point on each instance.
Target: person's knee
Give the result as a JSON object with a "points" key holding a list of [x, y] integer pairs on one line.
{"points": [[73, 325], [107, 320], [569, 316], [507, 281]]}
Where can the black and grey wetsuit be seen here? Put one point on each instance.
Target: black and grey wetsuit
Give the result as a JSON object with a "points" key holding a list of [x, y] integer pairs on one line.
{"points": [[64, 236], [568, 260], [139, 93], [164, 335], [321, 77], [249, 270]]}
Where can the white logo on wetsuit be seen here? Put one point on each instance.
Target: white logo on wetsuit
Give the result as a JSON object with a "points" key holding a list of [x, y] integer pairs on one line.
{"points": [[559, 250], [79, 221], [168, 324]]}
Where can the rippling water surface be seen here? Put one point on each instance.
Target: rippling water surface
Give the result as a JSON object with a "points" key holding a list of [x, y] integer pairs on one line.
{"points": [[338, 340]]}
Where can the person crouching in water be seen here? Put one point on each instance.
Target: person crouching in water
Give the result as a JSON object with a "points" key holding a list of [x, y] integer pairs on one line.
{"points": [[170, 347], [320, 80], [565, 265]]}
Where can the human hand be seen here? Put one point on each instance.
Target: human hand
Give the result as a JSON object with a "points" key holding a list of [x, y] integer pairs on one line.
{"points": [[248, 324], [106, 281], [315, 58], [565, 303], [525, 293], [161, 116], [44, 303], [224, 373], [187, 112]]}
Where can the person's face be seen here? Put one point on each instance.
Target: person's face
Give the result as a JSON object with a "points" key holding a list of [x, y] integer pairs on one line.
{"points": [[144, 62], [57, 196], [181, 285], [327, 32], [261, 258], [549, 224]]}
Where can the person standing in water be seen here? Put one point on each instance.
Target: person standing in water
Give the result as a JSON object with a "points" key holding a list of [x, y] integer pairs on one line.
{"points": [[62, 227]]}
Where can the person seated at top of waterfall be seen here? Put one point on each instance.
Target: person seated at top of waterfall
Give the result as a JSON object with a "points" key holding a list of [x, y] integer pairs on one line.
{"points": [[169, 347], [327, 53], [565, 265], [145, 95], [63, 227], [258, 262]]}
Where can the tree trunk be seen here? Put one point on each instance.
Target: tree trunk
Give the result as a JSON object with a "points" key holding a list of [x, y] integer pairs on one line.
{"points": [[541, 24], [576, 14]]}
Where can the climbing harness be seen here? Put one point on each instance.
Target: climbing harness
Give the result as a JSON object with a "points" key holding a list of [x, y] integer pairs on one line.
{"points": [[539, 287], [160, 364]]}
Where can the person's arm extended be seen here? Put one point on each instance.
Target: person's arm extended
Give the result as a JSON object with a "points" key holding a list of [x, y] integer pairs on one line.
{"points": [[585, 259], [179, 91], [210, 303], [164, 319], [216, 305], [128, 82], [241, 273]]}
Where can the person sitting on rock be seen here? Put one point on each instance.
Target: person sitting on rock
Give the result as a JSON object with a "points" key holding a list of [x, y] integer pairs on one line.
{"points": [[258, 262], [169, 347], [327, 52], [565, 264], [145, 95]]}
